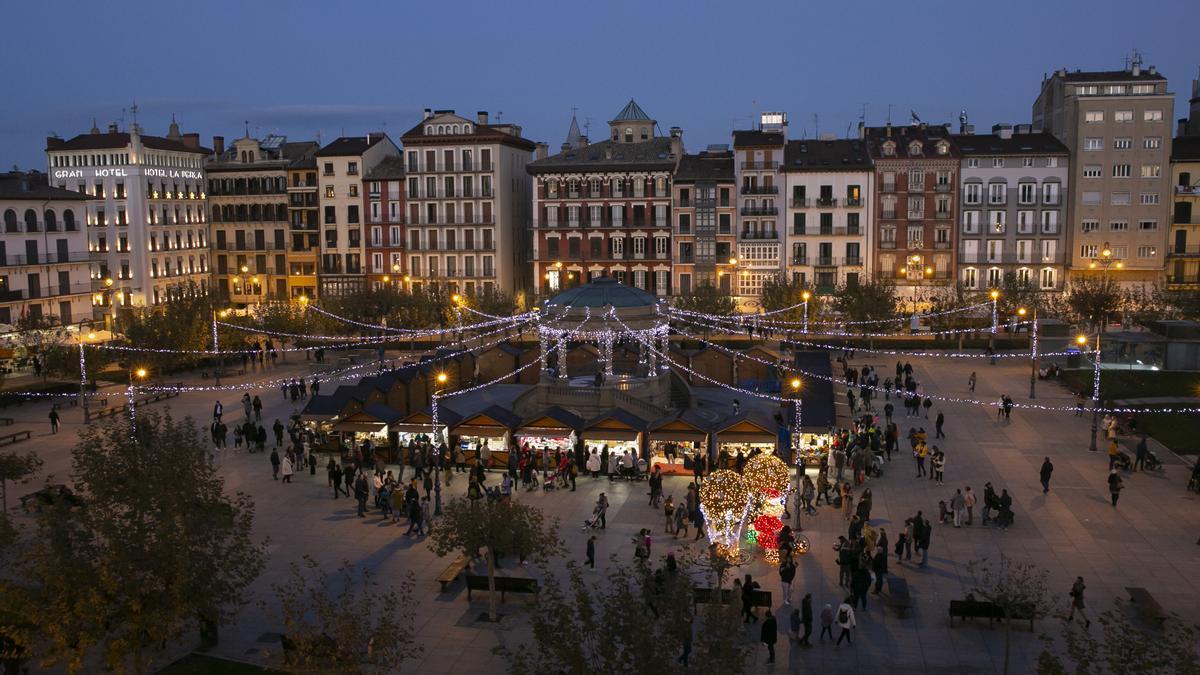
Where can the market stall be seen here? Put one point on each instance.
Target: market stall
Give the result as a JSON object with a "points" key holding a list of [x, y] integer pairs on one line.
{"points": [[552, 430], [492, 428], [618, 431], [744, 433], [674, 440], [417, 426]]}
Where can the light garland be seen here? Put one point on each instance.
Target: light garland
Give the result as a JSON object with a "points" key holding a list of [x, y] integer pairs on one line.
{"points": [[805, 323], [725, 503], [433, 331], [721, 326]]}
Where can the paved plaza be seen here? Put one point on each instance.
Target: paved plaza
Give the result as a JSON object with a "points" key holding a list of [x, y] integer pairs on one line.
{"points": [[1150, 540]]}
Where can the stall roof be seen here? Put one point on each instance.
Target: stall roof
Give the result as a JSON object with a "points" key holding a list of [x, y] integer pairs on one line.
{"points": [[491, 416], [617, 419], [816, 393], [747, 423], [320, 408], [384, 413], [685, 426], [553, 417]]}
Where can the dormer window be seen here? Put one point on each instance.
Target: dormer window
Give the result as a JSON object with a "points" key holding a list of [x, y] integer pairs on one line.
{"points": [[429, 129], [889, 149], [914, 148], [455, 131], [466, 128], [943, 148]]}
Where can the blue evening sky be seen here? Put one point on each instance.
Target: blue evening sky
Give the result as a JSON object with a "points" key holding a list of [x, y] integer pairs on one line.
{"points": [[299, 68]]}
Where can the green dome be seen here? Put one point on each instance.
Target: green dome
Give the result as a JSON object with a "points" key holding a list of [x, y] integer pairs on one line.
{"points": [[602, 292]]}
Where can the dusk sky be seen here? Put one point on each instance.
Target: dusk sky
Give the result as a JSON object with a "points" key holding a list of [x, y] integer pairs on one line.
{"points": [[303, 68]]}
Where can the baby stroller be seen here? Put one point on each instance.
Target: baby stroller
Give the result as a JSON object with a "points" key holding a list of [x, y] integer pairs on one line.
{"points": [[593, 522], [1152, 463], [551, 481], [1123, 461], [1005, 518]]}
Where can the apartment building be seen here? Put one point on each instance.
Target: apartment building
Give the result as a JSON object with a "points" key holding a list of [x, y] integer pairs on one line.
{"points": [[605, 208], [1183, 249], [341, 166], [1116, 125], [467, 196], [828, 198], [383, 202], [758, 155], [705, 210], [916, 180], [1012, 224], [248, 213], [304, 229], [147, 223], [44, 262]]}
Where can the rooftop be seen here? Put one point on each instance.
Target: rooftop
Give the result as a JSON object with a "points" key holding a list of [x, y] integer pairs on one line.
{"points": [[389, 168], [753, 137], [349, 146], [1097, 76], [18, 185], [120, 140], [903, 136], [1017, 144], [632, 112], [1185, 148], [708, 165], [837, 155], [652, 154], [603, 292]]}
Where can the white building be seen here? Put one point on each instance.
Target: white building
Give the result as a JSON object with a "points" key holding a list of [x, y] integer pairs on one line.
{"points": [[43, 253], [758, 154], [147, 226]]}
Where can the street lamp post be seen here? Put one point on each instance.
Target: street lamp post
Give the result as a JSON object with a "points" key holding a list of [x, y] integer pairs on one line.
{"points": [[1033, 351], [1082, 341], [131, 394], [994, 295], [805, 296], [83, 397]]}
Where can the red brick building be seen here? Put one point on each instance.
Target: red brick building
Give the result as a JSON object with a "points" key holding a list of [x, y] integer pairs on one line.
{"points": [[383, 204]]}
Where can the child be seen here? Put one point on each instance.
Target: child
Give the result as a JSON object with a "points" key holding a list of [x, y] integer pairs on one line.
{"points": [[943, 511], [681, 521]]}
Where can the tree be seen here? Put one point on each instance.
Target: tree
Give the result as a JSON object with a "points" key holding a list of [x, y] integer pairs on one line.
{"points": [[705, 299], [184, 323], [1183, 304], [502, 526], [779, 293], [872, 300], [157, 548], [15, 468], [1093, 300], [946, 309], [1141, 305], [39, 336], [1125, 647], [348, 623], [1017, 588]]}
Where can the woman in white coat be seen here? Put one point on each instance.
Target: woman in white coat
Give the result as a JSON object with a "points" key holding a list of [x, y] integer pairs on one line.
{"points": [[288, 468]]}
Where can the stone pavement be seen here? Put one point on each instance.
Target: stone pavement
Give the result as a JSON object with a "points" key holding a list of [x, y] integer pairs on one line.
{"points": [[1149, 540]]}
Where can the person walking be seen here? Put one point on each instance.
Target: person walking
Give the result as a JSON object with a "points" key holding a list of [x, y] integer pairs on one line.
{"points": [[288, 469], [274, 464], [1077, 604], [602, 510], [218, 410], [971, 382], [806, 618], [591, 552], [361, 492], [1138, 462], [335, 477], [969, 500], [958, 506], [749, 585], [826, 622], [1115, 485], [938, 422], [923, 531], [770, 633], [1113, 452], [256, 404], [1045, 473], [787, 573], [53, 421], [278, 429], [846, 622], [669, 512], [860, 584], [938, 464]]}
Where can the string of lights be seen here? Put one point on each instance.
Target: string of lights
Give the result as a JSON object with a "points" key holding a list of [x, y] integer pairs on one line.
{"points": [[432, 331], [724, 326], [781, 322]]}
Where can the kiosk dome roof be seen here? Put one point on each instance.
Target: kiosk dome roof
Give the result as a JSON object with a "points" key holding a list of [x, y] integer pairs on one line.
{"points": [[602, 292]]}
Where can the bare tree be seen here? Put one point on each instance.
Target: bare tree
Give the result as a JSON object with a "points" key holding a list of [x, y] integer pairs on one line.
{"points": [[1017, 588], [1125, 646]]}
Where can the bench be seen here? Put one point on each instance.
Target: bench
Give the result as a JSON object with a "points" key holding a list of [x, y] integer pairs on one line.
{"points": [[451, 573], [15, 437], [503, 585], [6, 421], [897, 594], [704, 595], [985, 609], [1146, 605]]}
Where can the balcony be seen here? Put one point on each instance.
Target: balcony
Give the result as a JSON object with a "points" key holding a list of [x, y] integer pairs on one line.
{"points": [[45, 258], [799, 260], [942, 187], [826, 201], [760, 166], [941, 215], [799, 202], [760, 235], [853, 203], [888, 187], [760, 189], [916, 187], [941, 245], [1009, 258], [839, 231], [1189, 190], [887, 244], [760, 211], [1183, 251], [915, 215]]}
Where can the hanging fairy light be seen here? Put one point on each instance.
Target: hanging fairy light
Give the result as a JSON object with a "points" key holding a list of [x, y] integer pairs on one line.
{"points": [[725, 503]]}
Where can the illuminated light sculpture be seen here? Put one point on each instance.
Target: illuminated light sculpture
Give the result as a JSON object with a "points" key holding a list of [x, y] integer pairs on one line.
{"points": [[725, 503]]}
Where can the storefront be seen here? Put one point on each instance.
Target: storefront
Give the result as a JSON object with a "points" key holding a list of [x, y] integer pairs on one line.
{"points": [[618, 431], [674, 440], [745, 435], [549, 432], [812, 449], [493, 428], [417, 426]]}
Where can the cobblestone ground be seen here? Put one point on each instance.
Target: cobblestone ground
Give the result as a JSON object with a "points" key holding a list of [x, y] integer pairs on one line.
{"points": [[1150, 540]]}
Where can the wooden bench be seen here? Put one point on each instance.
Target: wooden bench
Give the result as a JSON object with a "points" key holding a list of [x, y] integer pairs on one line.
{"points": [[451, 573], [6, 421], [15, 437], [704, 595], [984, 609], [897, 594], [503, 585], [1146, 605]]}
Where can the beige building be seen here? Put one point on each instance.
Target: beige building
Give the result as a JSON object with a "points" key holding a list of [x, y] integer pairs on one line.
{"points": [[341, 166], [1117, 127], [1183, 247]]}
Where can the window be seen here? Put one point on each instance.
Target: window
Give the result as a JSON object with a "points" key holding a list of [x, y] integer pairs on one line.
{"points": [[1051, 162], [1026, 193], [352, 169], [1049, 222], [1087, 90], [1143, 89], [1093, 143], [1090, 198], [997, 162], [329, 194], [916, 179], [352, 214], [997, 193], [972, 193], [1092, 171], [1152, 115], [916, 237], [970, 222], [1151, 170], [1147, 225], [1149, 198], [328, 168], [1121, 170], [1147, 251], [1123, 116], [1050, 193], [888, 204], [996, 221], [1025, 220], [1152, 142], [1089, 225], [970, 277], [1093, 116], [354, 189], [1122, 143], [994, 276], [1047, 278], [1027, 161], [916, 207], [1119, 225], [972, 162], [1120, 199], [1088, 250], [1114, 89], [330, 216]]}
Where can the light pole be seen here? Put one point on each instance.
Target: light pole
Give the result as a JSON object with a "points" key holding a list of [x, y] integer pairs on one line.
{"points": [[797, 443], [1033, 346], [1082, 342], [994, 295], [83, 397], [805, 296], [222, 313], [1105, 261], [131, 394]]}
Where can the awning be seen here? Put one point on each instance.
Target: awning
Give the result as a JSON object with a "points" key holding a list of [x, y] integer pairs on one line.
{"points": [[492, 422], [366, 427], [614, 425], [554, 422], [742, 429], [678, 428]]}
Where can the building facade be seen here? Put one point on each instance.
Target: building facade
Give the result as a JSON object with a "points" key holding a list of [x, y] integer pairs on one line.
{"points": [[916, 180], [147, 223], [605, 208], [704, 211], [248, 212], [1183, 247], [304, 228], [758, 156], [1012, 222], [1116, 125], [827, 188], [383, 202], [467, 195], [341, 166], [44, 261]]}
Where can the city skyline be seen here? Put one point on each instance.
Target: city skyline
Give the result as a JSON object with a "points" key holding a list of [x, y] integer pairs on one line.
{"points": [[344, 84]]}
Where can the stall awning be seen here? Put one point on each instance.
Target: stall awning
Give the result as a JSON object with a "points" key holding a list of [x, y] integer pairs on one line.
{"points": [[491, 422], [684, 427], [553, 421], [743, 429], [614, 425], [420, 421]]}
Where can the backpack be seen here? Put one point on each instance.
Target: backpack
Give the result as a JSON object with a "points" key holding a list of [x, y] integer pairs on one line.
{"points": [[843, 615]]}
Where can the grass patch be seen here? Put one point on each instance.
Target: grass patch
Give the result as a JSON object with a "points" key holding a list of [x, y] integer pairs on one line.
{"points": [[1122, 384], [202, 664], [1180, 433]]}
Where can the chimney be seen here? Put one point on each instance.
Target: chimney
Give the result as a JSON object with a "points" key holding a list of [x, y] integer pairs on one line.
{"points": [[1003, 130], [862, 130], [676, 142], [191, 141], [564, 147], [888, 129], [53, 142], [542, 151], [481, 117], [112, 127], [428, 113], [218, 145], [1180, 130], [1153, 70]]}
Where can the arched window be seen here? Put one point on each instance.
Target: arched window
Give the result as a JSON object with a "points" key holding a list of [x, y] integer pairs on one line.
{"points": [[429, 129], [455, 129], [628, 134], [645, 134], [51, 220], [441, 129], [31, 224], [69, 221], [10, 220], [466, 128]]}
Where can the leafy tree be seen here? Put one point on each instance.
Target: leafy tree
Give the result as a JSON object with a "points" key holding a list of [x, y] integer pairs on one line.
{"points": [[779, 292], [946, 305], [1015, 294], [16, 468], [706, 299], [870, 300], [346, 624], [1124, 646], [1141, 305], [39, 336], [1017, 588], [184, 323], [158, 547], [504, 526], [1182, 304], [1094, 300]]}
